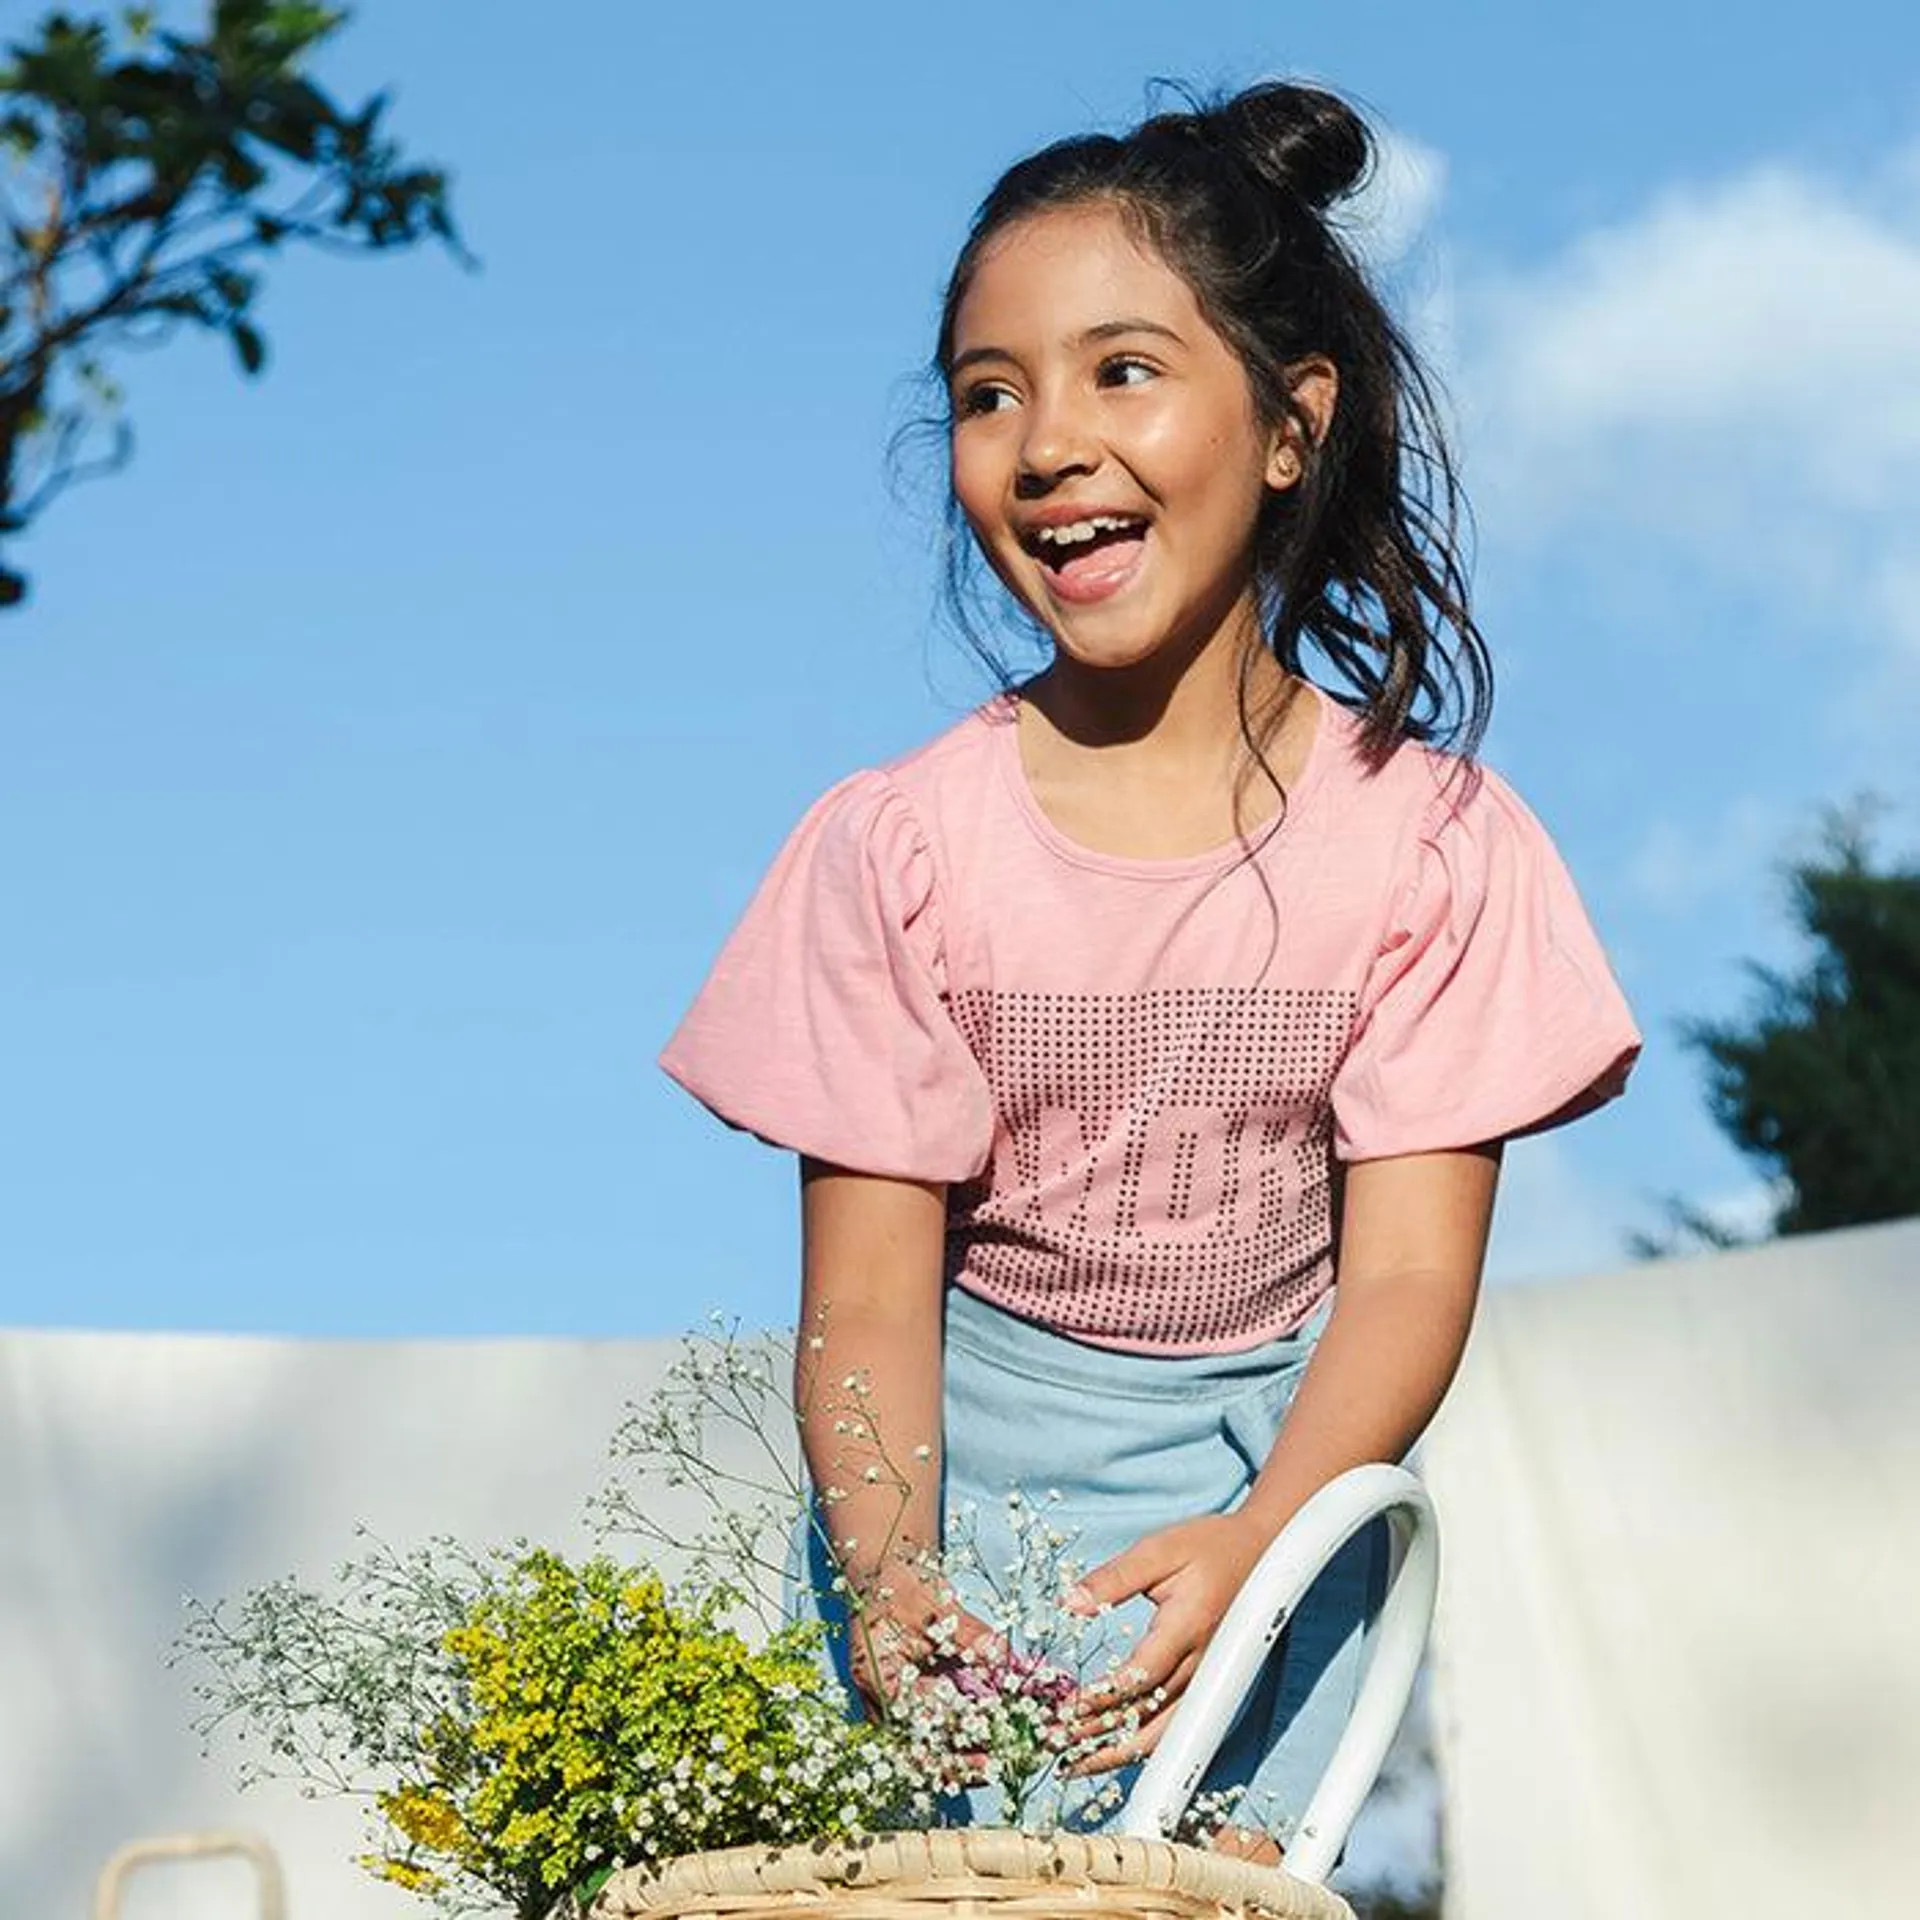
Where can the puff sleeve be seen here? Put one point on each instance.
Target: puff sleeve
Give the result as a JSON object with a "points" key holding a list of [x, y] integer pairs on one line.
{"points": [[823, 1026], [1490, 1009]]}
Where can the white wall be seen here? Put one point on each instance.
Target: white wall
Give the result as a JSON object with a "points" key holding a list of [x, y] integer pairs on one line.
{"points": [[1679, 1660], [135, 1469], [1679, 1645]]}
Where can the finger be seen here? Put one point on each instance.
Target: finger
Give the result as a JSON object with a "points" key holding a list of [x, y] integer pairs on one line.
{"points": [[894, 1636], [880, 1646], [876, 1672], [872, 1686], [1137, 1570], [1123, 1753], [1134, 1744], [1112, 1759], [932, 1618], [973, 1635], [1100, 1699], [1110, 1722], [1163, 1648]]}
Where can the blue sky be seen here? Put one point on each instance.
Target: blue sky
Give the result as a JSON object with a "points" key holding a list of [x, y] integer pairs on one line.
{"points": [[384, 756]]}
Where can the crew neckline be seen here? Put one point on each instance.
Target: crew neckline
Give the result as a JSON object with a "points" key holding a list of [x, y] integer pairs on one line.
{"points": [[1003, 713]]}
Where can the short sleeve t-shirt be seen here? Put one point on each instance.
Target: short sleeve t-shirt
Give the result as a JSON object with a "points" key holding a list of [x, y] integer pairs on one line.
{"points": [[1136, 1076]]}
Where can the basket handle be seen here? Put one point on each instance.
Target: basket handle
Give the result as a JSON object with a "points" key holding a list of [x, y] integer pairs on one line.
{"points": [[193, 1846], [1246, 1635]]}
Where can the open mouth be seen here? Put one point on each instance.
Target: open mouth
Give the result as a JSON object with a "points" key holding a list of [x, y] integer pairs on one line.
{"points": [[1094, 555]]}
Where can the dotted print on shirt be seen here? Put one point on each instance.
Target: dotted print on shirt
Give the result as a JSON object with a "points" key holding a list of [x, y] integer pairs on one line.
{"points": [[1161, 1160]]}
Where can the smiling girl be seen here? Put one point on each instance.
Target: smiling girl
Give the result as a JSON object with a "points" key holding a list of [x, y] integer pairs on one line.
{"points": [[1148, 1039]]}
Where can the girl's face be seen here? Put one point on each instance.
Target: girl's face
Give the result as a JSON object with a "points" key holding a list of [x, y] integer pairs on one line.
{"points": [[1106, 450]]}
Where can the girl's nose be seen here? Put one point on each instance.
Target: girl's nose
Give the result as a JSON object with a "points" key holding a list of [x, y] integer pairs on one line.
{"points": [[1057, 444]]}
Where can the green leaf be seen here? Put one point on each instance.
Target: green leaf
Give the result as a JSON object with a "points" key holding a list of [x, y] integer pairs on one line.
{"points": [[248, 344], [234, 288], [20, 135], [303, 26], [1815, 1081], [193, 143]]}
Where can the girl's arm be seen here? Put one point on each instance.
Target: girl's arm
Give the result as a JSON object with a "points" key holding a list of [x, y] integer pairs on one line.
{"points": [[1413, 1234], [867, 1388]]}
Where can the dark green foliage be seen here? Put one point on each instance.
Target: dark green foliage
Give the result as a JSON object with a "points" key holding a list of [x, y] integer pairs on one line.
{"points": [[144, 177], [1821, 1082]]}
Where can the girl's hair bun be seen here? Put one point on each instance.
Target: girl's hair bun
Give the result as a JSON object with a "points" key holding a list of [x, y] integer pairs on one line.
{"points": [[1299, 139]]}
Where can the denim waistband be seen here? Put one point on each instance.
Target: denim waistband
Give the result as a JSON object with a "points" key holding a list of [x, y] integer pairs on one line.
{"points": [[999, 1339]]}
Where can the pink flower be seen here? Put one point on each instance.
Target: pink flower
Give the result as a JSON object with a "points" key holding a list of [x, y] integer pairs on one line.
{"points": [[1016, 1675]]}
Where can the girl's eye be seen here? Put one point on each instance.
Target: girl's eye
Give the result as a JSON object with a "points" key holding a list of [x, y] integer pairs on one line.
{"points": [[987, 397], [1126, 370]]}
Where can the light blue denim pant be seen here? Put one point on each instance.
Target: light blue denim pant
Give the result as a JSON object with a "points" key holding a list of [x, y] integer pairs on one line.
{"points": [[1115, 1446]]}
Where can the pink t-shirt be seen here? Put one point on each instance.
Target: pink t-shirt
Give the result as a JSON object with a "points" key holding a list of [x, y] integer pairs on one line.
{"points": [[1135, 1075]]}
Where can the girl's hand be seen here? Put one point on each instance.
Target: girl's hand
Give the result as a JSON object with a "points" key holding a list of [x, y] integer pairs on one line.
{"points": [[902, 1618], [1191, 1573]]}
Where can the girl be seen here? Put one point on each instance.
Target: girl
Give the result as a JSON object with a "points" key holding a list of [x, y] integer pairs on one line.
{"points": [[1149, 1038]]}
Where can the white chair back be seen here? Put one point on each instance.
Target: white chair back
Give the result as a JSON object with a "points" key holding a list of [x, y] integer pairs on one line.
{"points": [[1253, 1623]]}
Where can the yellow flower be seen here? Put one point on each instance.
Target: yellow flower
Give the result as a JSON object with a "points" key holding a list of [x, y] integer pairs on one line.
{"points": [[403, 1873], [427, 1819]]}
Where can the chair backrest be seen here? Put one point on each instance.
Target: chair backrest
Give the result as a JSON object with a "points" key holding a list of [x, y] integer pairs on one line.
{"points": [[1246, 1635], [193, 1846]]}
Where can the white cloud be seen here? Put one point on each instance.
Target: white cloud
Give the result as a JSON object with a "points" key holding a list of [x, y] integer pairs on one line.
{"points": [[1723, 389], [1748, 1211], [1679, 867], [1397, 204], [1762, 336], [1734, 375]]}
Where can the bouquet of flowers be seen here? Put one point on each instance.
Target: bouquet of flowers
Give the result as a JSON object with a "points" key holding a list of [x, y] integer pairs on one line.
{"points": [[520, 1724]]}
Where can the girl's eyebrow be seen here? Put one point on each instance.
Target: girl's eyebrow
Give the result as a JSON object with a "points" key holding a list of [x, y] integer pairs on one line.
{"points": [[1106, 330], [1111, 329]]}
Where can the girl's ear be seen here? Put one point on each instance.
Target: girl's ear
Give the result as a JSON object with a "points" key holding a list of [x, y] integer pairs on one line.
{"points": [[1314, 386]]}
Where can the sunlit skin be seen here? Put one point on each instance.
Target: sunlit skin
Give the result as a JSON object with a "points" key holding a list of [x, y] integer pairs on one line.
{"points": [[1088, 380]]}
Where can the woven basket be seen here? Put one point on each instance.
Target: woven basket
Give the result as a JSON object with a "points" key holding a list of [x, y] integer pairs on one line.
{"points": [[982, 1873]]}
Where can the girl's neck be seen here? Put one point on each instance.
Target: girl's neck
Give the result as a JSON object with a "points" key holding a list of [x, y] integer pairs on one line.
{"points": [[1174, 706], [1152, 760]]}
